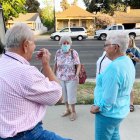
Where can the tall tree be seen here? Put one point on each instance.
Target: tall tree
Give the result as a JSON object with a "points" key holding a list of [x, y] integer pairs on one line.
{"points": [[32, 6], [47, 14], [105, 6], [91, 6], [135, 4], [75, 2], [113, 5], [87, 2], [12, 8], [64, 5]]}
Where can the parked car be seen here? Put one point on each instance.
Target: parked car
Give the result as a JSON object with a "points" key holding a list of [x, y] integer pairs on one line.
{"points": [[102, 34], [78, 33]]}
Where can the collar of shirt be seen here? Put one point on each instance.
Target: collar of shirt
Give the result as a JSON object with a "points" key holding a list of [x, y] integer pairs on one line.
{"points": [[18, 57]]}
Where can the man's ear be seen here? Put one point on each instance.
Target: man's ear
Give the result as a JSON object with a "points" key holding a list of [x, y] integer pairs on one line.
{"points": [[116, 48], [25, 46]]}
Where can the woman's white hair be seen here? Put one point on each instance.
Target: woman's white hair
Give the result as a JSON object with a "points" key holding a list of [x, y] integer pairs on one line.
{"points": [[120, 39], [65, 38], [18, 33]]}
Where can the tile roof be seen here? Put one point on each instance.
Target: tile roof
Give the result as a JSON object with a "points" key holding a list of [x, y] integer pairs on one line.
{"points": [[132, 17], [25, 17], [74, 12]]}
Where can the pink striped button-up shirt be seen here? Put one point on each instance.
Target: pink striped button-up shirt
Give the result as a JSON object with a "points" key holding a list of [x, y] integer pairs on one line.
{"points": [[24, 94]]}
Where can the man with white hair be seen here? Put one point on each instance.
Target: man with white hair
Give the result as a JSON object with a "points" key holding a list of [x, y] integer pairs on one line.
{"points": [[112, 91], [24, 90]]}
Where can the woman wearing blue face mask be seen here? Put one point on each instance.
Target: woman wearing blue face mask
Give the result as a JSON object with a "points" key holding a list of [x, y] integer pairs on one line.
{"points": [[65, 61]]}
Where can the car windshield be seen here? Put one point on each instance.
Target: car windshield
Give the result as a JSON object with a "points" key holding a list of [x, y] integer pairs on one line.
{"points": [[65, 30], [107, 28]]}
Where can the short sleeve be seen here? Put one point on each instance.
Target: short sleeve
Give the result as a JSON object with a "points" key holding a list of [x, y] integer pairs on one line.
{"points": [[76, 57], [56, 55]]}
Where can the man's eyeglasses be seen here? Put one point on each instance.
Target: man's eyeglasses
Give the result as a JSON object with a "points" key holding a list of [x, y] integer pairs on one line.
{"points": [[109, 45]]}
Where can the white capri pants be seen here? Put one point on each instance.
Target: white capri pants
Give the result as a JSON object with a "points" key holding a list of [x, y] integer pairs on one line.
{"points": [[69, 89]]}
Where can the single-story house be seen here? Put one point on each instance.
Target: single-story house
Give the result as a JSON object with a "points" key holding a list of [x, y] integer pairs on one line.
{"points": [[129, 18], [32, 19], [74, 16]]}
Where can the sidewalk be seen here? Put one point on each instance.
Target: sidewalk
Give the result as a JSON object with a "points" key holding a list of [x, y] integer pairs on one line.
{"points": [[82, 128]]}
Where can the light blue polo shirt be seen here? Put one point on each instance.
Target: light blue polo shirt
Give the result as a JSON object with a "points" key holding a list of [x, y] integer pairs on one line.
{"points": [[113, 88]]}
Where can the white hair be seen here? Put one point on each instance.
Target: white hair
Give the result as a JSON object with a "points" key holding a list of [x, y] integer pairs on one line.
{"points": [[17, 34], [120, 39], [65, 38]]}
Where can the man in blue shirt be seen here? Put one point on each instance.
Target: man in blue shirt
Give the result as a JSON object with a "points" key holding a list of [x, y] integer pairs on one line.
{"points": [[113, 88]]}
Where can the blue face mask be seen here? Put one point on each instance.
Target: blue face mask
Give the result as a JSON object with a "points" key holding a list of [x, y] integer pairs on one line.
{"points": [[65, 48]]}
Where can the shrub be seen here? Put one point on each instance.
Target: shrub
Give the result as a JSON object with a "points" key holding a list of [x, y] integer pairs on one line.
{"points": [[103, 20]]}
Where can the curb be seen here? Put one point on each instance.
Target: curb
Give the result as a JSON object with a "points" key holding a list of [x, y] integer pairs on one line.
{"points": [[41, 37], [89, 37]]}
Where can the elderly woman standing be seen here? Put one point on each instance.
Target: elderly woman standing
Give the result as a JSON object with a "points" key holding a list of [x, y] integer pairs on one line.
{"points": [[134, 53], [112, 91], [67, 67]]}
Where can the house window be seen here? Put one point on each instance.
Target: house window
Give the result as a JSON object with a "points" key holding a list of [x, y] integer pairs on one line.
{"points": [[74, 24], [65, 23], [84, 24]]}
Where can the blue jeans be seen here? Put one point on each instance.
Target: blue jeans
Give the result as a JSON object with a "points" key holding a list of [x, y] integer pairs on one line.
{"points": [[37, 133], [106, 128]]}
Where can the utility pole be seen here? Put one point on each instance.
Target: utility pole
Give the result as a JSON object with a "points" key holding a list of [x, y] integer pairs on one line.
{"points": [[54, 16]]}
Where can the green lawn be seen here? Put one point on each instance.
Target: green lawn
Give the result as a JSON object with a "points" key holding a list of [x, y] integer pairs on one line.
{"points": [[85, 93]]}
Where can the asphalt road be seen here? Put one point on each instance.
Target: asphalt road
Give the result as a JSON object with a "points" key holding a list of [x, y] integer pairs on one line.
{"points": [[89, 51]]}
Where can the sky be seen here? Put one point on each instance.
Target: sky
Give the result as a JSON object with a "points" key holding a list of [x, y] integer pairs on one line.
{"points": [[57, 4]]}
